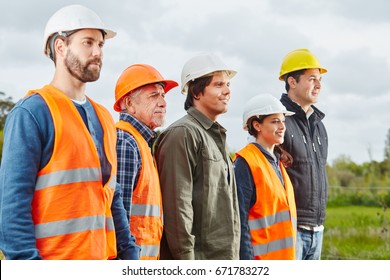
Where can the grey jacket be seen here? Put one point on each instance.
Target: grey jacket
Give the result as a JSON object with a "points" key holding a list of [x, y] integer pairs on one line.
{"points": [[201, 214], [307, 141]]}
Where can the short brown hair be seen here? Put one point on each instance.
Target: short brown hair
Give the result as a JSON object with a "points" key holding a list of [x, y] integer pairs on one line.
{"points": [[195, 88], [296, 75]]}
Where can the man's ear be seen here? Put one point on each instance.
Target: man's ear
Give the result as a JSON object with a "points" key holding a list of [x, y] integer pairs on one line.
{"points": [[292, 82], [129, 103], [59, 47]]}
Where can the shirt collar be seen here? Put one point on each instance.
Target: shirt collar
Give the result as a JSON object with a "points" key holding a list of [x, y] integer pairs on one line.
{"points": [[309, 112], [148, 134], [206, 122], [268, 155], [295, 107]]}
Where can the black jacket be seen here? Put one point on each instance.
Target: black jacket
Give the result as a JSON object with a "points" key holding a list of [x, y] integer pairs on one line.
{"points": [[307, 141]]}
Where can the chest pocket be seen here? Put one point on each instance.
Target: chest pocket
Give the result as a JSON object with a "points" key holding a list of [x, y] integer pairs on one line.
{"points": [[322, 148], [211, 154], [215, 169]]}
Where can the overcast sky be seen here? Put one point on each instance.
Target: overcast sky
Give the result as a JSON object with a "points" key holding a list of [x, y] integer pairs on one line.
{"points": [[351, 38]]}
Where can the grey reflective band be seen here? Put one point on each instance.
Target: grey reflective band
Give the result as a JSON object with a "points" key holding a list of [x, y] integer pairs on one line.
{"points": [[69, 226], [272, 246], [110, 223], [145, 210], [68, 176], [112, 182], [149, 250], [269, 220]]}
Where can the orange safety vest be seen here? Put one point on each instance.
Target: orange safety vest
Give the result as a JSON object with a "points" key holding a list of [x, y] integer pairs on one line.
{"points": [[273, 218], [71, 209], [146, 218]]}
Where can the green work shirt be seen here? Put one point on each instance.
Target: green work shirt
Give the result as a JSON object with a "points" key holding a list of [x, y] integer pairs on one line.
{"points": [[201, 214]]}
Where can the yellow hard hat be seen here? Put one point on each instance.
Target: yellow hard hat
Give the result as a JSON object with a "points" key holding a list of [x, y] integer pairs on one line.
{"points": [[298, 60]]}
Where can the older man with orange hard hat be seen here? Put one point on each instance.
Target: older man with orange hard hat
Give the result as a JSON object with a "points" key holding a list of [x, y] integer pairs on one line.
{"points": [[139, 94]]}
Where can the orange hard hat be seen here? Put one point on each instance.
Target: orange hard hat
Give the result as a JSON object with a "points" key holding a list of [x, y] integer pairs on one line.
{"points": [[138, 75]]}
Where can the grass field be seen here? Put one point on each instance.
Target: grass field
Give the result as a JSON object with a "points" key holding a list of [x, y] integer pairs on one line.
{"points": [[356, 233]]}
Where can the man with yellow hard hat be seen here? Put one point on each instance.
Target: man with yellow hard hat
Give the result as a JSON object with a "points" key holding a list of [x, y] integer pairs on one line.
{"points": [[307, 141]]}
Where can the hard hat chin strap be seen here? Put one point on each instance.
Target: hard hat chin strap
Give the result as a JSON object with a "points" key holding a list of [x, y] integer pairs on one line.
{"points": [[53, 38]]}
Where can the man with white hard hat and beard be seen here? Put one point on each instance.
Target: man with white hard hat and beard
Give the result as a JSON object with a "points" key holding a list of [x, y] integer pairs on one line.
{"points": [[58, 191]]}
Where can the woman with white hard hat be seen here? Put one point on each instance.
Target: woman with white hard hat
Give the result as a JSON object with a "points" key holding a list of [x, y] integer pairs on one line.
{"points": [[265, 193]]}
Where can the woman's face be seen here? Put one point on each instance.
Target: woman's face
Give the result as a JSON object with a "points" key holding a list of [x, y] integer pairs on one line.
{"points": [[272, 129]]}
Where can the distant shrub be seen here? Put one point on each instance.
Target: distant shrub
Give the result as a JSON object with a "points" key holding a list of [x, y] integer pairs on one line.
{"points": [[349, 196]]}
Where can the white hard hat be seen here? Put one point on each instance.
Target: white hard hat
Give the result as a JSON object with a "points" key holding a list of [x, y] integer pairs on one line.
{"points": [[71, 18], [201, 65], [263, 105]]}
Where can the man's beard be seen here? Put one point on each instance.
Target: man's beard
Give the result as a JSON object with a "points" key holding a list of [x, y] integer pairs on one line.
{"points": [[80, 71]]}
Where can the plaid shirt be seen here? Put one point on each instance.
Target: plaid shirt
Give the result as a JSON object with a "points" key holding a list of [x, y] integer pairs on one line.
{"points": [[129, 157]]}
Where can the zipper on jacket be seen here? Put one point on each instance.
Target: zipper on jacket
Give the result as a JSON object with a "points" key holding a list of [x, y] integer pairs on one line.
{"points": [[318, 139], [304, 139]]}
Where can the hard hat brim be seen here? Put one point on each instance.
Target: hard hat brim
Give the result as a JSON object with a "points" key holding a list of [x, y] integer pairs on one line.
{"points": [[168, 85], [231, 74], [285, 112], [283, 76]]}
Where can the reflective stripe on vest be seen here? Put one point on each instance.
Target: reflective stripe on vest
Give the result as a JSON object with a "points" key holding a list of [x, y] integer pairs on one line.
{"points": [[150, 250], [112, 183], [69, 226], [269, 220], [67, 177], [273, 246], [145, 210], [72, 176]]}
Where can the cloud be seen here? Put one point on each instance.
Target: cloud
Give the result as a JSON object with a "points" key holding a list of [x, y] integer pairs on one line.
{"points": [[252, 37], [354, 10], [352, 72]]}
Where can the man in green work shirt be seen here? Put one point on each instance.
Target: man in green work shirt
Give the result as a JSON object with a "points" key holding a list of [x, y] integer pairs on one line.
{"points": [[201, 214]]}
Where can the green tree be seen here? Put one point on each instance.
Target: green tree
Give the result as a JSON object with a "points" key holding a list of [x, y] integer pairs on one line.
{"points": [[6, 104], [385, 165], [345, 173], [387, 146]]}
